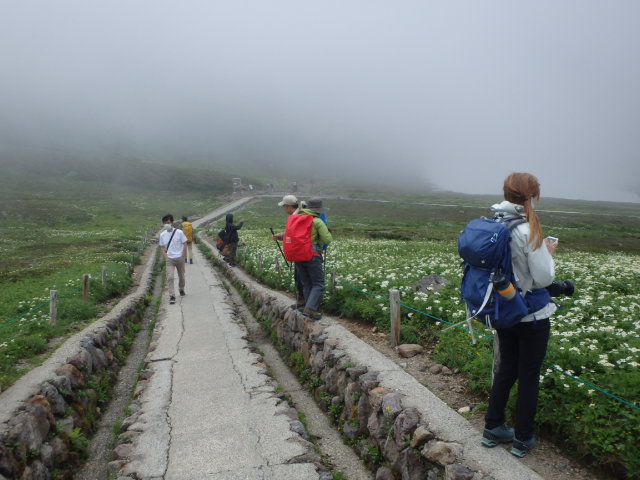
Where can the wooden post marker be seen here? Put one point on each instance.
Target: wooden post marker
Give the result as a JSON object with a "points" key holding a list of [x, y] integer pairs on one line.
{"points": [[278, 267], [394, 308], [104, 275], [53, 306], [334, 281], [85, 286]]}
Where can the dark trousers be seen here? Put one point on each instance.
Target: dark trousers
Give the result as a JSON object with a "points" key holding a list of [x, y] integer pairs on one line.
{"points": [[299, 287], [522, 349], [311, 276], [229, 252]]}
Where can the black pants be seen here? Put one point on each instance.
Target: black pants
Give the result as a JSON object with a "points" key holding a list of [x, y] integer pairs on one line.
{"points": [[229, 252], [522, 350]]}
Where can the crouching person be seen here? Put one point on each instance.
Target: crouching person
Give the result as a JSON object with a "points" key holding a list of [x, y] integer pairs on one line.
{"points": [[303, 240]]}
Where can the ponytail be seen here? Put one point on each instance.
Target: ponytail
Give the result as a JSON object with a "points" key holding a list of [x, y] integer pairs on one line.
{"points": [[521, 189], [534, 225]]}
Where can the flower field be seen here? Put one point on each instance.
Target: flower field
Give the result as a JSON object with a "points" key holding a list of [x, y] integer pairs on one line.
{"points": [[595, 336]]}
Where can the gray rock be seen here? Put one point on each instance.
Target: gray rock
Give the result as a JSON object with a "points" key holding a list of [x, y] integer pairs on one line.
{"points": [[391, 452], [457, 471], [412, 466], [376, 427], [66, 425], [62, 383], [130, 420], [60, 449], [29, 428], [405, 425], [421, 436], [8, 464], [364, 410], [430, 283], [336, 354], [434, 474], [331, 380], [297, 427], [408, 350], [352, 395], [384, 473], [355, 372], [375, 398], [350, 431], [46, 455], [443, 453], [82, 361], [392, 404], [446, 371], [343, 381], [36, 471], [128, 436], [123, 451], [368, 381], [75, 376], [56, 400], [436, 369]]}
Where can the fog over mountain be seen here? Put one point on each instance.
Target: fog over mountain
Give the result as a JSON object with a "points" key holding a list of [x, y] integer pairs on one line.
{"points": [[453, 95]]}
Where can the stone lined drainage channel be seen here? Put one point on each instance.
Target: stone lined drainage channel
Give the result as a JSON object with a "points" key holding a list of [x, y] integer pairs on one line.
{"points": [[341, 457], [101, 445]]}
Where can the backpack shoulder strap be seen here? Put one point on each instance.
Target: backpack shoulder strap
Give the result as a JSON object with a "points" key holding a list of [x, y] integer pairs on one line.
{"points": [[174, 232], [510, 223]]}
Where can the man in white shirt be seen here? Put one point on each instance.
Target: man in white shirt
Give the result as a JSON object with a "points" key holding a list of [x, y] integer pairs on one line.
{"points": [[174, 244]]}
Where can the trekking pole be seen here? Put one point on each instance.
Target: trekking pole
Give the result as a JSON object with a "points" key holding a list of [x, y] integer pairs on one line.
{"points": [[280, 248]]}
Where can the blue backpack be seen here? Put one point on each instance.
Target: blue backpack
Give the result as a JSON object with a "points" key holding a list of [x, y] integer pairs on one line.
{"points": [[484, 246]]}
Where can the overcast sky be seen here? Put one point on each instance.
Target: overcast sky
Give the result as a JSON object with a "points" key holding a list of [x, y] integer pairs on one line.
{"points": [[456, 94]]}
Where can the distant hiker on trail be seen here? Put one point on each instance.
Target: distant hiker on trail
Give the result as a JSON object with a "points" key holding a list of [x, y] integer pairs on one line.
{"points": [[187, 228], [522, 347], [303, 242], [231, 240], [173, 242]]}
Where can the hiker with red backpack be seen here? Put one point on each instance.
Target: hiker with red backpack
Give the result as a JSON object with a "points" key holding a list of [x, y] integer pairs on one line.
{"points": [[303, 242]]}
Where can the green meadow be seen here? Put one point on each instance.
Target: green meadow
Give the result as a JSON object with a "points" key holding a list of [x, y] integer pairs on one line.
{"points": [[55, 228]]}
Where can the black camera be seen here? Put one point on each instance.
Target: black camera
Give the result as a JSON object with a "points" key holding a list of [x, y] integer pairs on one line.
{"points": [[557, 289]]}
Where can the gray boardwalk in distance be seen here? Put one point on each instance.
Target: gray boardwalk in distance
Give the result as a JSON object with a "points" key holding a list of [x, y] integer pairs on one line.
{"points": [[209, 410]]}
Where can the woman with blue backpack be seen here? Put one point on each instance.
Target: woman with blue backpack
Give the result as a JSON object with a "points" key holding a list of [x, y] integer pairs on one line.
{"points": [[522, 347]]}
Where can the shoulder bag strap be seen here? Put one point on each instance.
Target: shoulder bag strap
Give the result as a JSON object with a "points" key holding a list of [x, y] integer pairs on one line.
{"points": [[174, 232]]}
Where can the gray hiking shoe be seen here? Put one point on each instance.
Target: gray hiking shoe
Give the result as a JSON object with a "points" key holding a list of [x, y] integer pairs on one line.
{"points": [[172, 299], [501, 434], [521, 447]]}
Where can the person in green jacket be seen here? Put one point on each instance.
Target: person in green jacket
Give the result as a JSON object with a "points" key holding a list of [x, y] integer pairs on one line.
{"points": [[310, 274]]}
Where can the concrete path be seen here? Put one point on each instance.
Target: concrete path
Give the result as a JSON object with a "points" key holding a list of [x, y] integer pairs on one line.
{"points": [[209, 410]]}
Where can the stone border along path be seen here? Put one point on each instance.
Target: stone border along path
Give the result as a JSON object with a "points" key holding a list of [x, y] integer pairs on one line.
{"points": [[325, 436], [207, 407], [44, 412], [381, 401]]}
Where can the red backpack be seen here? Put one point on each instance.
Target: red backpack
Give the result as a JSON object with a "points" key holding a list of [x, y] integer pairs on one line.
{"points": [[297, 238]]}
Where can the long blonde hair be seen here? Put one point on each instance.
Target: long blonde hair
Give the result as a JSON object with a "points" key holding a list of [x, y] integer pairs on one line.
{"points": [[522, 189]]}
